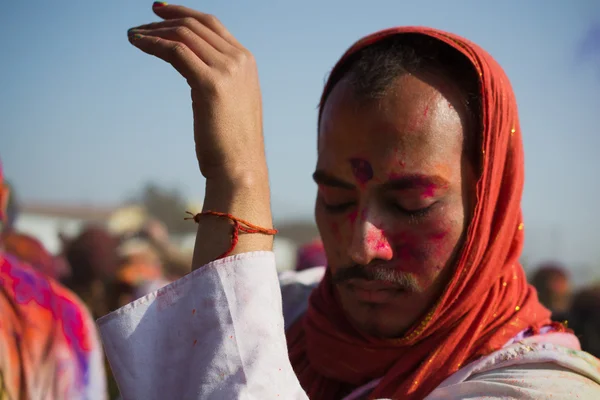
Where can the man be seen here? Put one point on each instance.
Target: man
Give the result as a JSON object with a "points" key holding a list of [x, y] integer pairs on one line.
{"points": [[553, 285], [420, 174], [584, 318], [49, 348]]}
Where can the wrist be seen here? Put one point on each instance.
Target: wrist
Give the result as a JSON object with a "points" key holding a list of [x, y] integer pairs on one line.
{"points": [[242, 182]]}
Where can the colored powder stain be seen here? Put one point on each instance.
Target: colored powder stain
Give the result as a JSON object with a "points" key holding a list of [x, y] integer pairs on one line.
{"points": [[439, 236], [335, 229], [362, 170], [193, 311], [352, 216], [428, 190], [382, 244], [378, 243], [195, 341]]}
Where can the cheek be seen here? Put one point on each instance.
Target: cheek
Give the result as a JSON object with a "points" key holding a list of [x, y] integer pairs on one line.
{"points": [[330, 231], [425, 251]]}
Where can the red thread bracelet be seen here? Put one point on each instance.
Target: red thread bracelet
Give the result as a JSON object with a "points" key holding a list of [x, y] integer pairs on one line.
{"points": [[238, 225]]}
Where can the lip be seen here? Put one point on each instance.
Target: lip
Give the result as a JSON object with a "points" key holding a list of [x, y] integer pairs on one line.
{"points": [[373, 291], [371, 285]]}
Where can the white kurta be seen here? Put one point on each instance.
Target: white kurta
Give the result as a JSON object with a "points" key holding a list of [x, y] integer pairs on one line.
{"points": [[219, 333]]}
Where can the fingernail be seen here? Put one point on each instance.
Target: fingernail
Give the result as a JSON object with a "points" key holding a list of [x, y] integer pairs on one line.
{"points": [[134, 36], [158, 4]]}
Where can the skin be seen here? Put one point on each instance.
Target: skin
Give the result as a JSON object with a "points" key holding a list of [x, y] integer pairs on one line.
{"points": [[227, 110], [391, 239]]}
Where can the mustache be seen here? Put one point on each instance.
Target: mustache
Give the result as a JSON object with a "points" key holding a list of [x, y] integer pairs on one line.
{"points": [[377, 272]]}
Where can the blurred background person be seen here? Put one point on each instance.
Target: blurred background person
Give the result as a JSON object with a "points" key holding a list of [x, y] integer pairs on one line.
{"points": [[553, 285], [584, 318], [311, 255], [31, 251], [49, 346]]}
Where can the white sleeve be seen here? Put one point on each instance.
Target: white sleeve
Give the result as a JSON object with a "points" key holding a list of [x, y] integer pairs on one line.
{"points": [[531, 382], [96, 388], [216, 333], [535, 368]]}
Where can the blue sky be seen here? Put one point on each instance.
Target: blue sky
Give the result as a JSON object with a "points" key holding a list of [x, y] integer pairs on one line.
{"points": [[85, 117]]}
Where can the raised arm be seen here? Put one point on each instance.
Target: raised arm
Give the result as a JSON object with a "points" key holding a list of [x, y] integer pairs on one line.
{"points": [[227, 109], [218, 332]]}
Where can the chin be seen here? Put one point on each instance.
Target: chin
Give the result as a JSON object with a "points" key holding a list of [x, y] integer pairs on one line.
{"points": [[382, 319], [381, 327]]}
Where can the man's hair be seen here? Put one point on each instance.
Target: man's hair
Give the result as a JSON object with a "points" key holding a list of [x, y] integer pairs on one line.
{"points": [[372, 70]]}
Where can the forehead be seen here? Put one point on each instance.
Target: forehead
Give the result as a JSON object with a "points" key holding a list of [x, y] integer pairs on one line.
{"points": [[414, 119]]}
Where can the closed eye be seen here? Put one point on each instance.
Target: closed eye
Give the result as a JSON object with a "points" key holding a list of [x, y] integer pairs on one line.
{"points": [[338, 208], [419, 213]]}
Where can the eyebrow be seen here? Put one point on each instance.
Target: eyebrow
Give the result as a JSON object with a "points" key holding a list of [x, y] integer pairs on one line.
{"points": [[397, 184], [323, 178], [415, 182]]}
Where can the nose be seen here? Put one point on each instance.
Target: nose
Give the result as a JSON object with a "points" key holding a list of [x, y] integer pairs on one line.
{"points": [[369, 242]]}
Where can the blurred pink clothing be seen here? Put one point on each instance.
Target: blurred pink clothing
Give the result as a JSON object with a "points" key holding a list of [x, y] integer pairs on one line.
{"points": [[49, 346]]}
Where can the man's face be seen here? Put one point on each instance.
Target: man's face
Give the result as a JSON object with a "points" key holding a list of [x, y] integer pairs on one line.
{"points": [[395, 194]]}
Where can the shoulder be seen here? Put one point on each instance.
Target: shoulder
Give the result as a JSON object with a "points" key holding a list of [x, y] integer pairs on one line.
{"points": [[39, 298], [526, 370], [296, 287]]}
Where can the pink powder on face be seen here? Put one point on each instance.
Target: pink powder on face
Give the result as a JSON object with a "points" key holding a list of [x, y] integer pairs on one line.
{"points": [[428, 190], [438, 236], [378, 243], [335, 229], [362, 170], [352, 216]]}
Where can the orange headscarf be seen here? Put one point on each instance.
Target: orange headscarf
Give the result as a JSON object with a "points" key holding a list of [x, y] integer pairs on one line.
{"points": [[487, 302]]}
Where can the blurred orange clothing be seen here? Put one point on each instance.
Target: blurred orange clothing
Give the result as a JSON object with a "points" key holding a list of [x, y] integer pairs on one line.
{"points": [[49, 345]]}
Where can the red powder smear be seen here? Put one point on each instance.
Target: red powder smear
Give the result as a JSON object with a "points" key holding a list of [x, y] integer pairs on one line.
{"points": [[362, 170], [406, 249], [193, 311], [352, 216], [195, 341], [376, 241], [335, 229], [428, 190], [439, 236]]}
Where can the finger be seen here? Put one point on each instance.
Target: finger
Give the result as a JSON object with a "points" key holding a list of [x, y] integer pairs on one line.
{"points": [[169, 11], [205, 52], [195, 26], [175, 53]]}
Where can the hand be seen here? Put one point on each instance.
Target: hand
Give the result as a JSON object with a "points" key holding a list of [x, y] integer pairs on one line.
{"points": [[222, 75]]}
